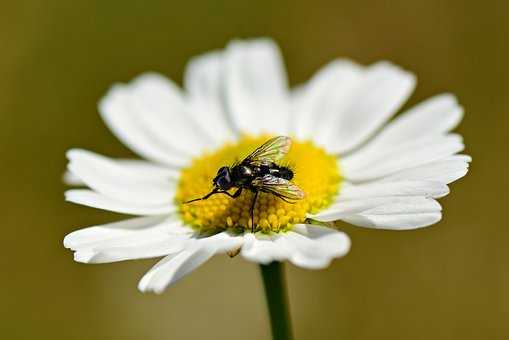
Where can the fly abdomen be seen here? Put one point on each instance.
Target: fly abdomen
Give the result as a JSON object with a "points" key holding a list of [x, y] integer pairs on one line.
{"points": [[281, 172], [285, 173]]}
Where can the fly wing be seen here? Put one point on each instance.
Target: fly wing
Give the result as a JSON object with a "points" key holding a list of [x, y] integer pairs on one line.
{"points": [[271, 151], [278, 186]]}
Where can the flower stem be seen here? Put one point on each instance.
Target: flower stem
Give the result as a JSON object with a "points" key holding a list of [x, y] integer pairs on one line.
{"points": [[277, 300]]}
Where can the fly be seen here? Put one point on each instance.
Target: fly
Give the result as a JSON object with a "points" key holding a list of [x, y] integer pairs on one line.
{"points": [[257, 173]]}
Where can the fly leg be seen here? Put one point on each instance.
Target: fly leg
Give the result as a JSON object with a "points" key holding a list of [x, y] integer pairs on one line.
{"points": [[252, 210], [213, 192], [235, 194], [217, 191]]}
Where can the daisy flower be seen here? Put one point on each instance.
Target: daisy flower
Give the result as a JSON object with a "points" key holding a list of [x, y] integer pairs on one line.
{"points": [[351, 159]]}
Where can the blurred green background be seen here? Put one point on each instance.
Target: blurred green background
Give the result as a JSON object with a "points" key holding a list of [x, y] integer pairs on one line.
{"points": [[58, 58]]}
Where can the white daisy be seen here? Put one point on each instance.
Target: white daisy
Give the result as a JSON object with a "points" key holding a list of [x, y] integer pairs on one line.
{"points": [[353, 164]]}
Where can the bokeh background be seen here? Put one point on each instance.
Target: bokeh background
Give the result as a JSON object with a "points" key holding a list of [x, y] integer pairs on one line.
{"points": [[57, 58]]}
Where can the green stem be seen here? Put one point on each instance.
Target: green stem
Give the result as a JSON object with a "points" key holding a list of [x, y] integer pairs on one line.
{"points": [[277, 300]]}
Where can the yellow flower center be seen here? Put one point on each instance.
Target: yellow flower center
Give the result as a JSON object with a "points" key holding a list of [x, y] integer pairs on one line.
{"points": [[315, 172]]}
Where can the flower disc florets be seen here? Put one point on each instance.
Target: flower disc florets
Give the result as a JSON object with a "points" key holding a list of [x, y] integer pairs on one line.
{"points": [[316, 173]]}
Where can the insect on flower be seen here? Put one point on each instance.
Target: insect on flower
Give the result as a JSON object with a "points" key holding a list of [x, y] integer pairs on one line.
{"points": [[258, 172]]}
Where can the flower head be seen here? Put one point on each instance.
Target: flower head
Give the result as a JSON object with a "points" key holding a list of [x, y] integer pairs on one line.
{"points": [[353, 163]]}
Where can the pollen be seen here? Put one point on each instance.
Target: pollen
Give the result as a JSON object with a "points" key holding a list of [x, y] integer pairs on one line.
{"points": [[315, 171]]}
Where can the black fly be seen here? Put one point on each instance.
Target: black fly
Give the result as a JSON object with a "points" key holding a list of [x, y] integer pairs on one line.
{"points": [[259, 172]]}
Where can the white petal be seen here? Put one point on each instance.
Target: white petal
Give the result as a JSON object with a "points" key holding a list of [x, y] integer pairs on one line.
{"points": [[125, 121], [378, 206], [204, 82], [222, 242], [313, 247], [96, 200], [263, 248], [117, 181], [446, 171], [377, 96], [395, 221], [143, 167], [173, 267], [409, 205], [71, 179], [149, 169], [150, 115], [85, 236], [307, 246], [403, 156], [137, 238], [256, 87], [398, 213], [425, 188], [163, 110], [111, 232], [316, 103], [433, 117], [133, 247]]}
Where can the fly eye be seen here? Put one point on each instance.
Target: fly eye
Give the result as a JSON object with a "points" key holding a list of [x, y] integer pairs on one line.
{"points": [[223, 181]]}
